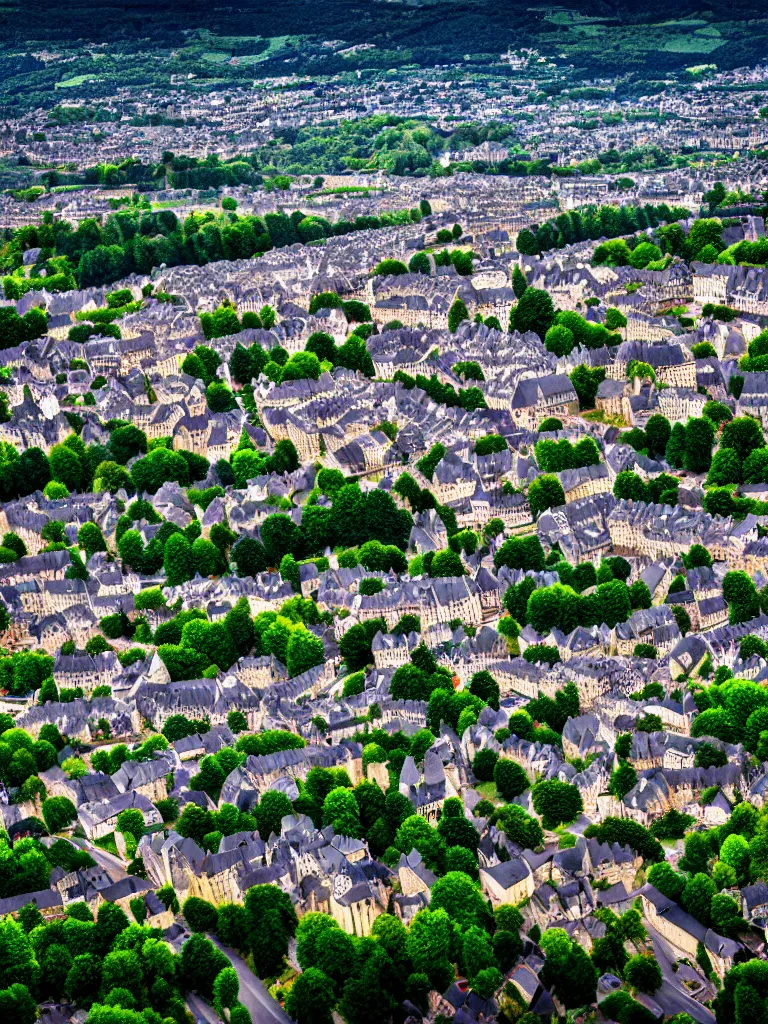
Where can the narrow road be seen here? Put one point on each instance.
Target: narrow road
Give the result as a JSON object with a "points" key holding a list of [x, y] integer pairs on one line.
{"points": [[673, 997], [113, 866], [259, 1003], [201, 1011]]}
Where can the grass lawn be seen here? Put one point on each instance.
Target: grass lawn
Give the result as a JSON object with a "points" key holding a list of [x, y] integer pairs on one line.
{"points": [[77, 80], [692, 44], [488, 791], [282, 985], [601, 416], [276, 43], [167, 204], [108, 844]]}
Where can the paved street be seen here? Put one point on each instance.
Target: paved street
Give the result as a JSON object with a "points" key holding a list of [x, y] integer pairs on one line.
{"points": [[201, 1010], [261, 1006], [111, 864], [673, 997]]}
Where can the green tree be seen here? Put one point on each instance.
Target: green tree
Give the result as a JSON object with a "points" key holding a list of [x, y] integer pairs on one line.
{"points": [[158, 467], [428, 946], [270, 811], [18, 963], [614, 319], [484, 764], [697, 897], [755, 466], [623, 778], [740, 593], [735, 853], [250, 557], [545, 492], [527, 244], [231, 925], [461, 899], [629, 487], [239, 625], [84, 978], [477, 952], [279, 535], [456, 314], [657, 433], [744, 434], [642, 972], [131, 822], [66, 466], [446, 563], [613, 602], [534, 312], [568, 969], [643, 254], [726, 918], [200, 963], [311, 998], [483, 685], [211, 640], [458, 831], [559, 340], [206, 558], [304, 651], [58, 812], [200, 915], [586, 382], [556, 802], [519, 826], [91, 539], [521, 553], [341, 810], [519, 282], [311, 929], [237, 722], [697, 556], [416, 833], [55, 962], [668, 881], [676, 446], [699, 439], [302, 366], [226, 988], [355, 645], [554, 607], [715, 412], [390, 267], [510, 778], [241, 365], [122, 968], [271, 923], [177, 560]]}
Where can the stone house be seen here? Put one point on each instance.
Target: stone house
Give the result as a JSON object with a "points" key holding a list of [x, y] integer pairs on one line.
{"points": [[538, 397], [673, 364], [684, 932], [508, 882], [148, 778], [99, 818]]}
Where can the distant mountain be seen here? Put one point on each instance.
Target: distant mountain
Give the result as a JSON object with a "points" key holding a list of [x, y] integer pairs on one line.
{"points": [[645, 40]]}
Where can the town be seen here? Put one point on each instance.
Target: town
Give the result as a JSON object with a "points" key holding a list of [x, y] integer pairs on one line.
{"points": [[384, 542]]}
